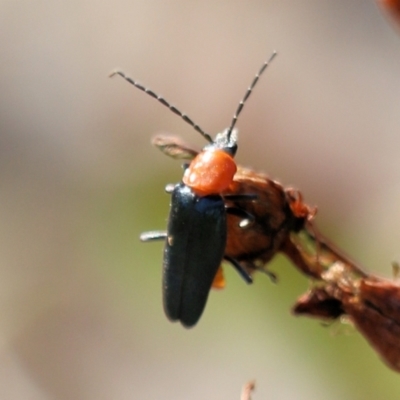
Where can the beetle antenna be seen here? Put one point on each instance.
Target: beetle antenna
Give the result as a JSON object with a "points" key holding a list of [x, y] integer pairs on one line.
{"points": [[165, 103], [248, 92]]}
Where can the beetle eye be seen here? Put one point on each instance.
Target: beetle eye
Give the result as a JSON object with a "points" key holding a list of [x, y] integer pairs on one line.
{"points": [[211, 172]]}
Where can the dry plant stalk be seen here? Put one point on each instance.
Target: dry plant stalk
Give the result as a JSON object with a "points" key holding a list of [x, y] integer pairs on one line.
{"points": [[371, 303]]}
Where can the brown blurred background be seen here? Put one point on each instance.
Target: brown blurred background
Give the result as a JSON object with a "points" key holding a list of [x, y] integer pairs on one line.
{"points": [[80, 297]]}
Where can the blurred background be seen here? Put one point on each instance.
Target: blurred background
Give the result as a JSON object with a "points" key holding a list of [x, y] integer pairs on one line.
{"points": [[80, 297]]}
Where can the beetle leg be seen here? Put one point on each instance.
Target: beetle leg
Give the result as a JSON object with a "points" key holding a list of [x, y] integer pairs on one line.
{"points": [[241, 197], [153, 235], [169, 188], [239, 268]]}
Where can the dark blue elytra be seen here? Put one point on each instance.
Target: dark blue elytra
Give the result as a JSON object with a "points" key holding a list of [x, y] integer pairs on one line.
{"points": [[193, 252], [194, 249]]}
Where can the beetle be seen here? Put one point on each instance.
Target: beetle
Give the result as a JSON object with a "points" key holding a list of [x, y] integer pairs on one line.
{"points": [[196, 236]]}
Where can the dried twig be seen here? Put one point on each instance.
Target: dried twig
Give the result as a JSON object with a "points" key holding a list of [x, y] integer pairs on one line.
{"points": [[371, 303]]}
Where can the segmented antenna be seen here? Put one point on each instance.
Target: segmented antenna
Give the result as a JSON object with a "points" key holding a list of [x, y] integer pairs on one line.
{"points": [[165, 103], [248, 93]]}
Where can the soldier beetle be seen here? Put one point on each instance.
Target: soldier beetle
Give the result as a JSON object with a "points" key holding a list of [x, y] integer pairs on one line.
{"points": [[219, 211]]}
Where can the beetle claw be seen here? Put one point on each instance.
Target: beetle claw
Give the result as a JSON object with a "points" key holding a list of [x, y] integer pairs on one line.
{"points": [[240, 269]]}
